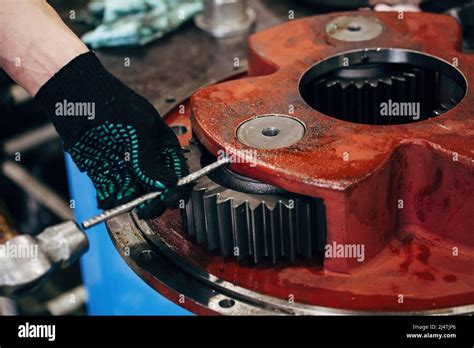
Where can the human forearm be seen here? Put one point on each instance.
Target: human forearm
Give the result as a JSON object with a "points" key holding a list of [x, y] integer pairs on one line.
{"points": [[34, 42], [112, 133]]}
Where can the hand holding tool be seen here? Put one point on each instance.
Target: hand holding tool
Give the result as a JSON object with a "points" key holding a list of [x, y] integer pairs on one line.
{"points": [[109, 214], [60, 245]]}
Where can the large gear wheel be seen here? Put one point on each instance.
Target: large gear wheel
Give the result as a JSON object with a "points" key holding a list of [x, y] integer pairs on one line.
{"points": [[256, 226]]}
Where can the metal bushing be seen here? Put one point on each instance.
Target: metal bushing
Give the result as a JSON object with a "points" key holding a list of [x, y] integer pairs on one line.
{"points": [[354, 28], [271, 131], [226, 18]]}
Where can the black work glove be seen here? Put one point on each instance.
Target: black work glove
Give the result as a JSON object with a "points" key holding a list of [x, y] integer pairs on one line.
{"points": [[114, 135]]}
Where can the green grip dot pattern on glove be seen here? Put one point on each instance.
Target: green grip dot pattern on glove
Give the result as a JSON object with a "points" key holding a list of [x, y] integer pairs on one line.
{"points": [[125, 146], [102, 152]]}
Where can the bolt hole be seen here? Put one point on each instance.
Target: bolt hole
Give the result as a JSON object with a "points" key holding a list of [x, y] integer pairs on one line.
{"points": [[270, 132], [170, 100], [227, 303], [179, 130], [354, 27]]}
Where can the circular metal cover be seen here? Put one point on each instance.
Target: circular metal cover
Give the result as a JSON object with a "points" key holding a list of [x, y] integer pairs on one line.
{"points": [[271, 131], [354, 28]]}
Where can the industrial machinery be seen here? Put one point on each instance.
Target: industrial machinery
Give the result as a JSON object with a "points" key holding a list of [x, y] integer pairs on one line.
{"points": [[352, 185]]}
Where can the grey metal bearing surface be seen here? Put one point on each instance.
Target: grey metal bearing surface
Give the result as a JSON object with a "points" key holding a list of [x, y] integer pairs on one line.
{"points": [[354, 28], [271, 131]]}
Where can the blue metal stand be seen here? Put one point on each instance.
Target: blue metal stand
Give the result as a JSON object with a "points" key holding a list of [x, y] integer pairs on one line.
{"points": [[114, 289]]}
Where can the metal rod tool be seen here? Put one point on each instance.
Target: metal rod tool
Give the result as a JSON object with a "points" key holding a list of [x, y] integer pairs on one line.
{"points": [[109, 214]]}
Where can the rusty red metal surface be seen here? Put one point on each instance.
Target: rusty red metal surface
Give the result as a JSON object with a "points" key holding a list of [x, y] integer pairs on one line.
{"points": [[424, 251], [179, 117], [419, 267], [412, 162]]}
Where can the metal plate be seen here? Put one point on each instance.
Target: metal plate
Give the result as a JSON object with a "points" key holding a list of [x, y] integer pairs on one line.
{"points": [[271, 131], [354, 28]]}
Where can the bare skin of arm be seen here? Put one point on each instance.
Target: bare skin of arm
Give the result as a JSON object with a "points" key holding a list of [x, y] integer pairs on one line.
{"points": [[34, 42]]}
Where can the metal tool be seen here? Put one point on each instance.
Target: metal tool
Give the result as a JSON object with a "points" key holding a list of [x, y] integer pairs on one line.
{"points": [[26, 261], [109, 214], [60, 245]]}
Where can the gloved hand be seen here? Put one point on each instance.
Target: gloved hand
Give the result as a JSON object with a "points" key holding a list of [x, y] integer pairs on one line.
{"points": [[114, 135]]}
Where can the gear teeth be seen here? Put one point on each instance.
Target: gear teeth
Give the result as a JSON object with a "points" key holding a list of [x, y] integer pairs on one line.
{"points": [[225, 223], [212, 225], [274, 239], [319, 93], [410, 86], [287, 232], [398, 88], [252, 226], [332, 97], [366, 99], [373, 103], [199, 216], [359, 100], [352, 97], [345, 99]]}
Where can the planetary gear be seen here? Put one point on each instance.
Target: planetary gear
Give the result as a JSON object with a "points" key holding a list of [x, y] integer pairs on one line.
{"points": [[252, 226], [356, 93]]}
